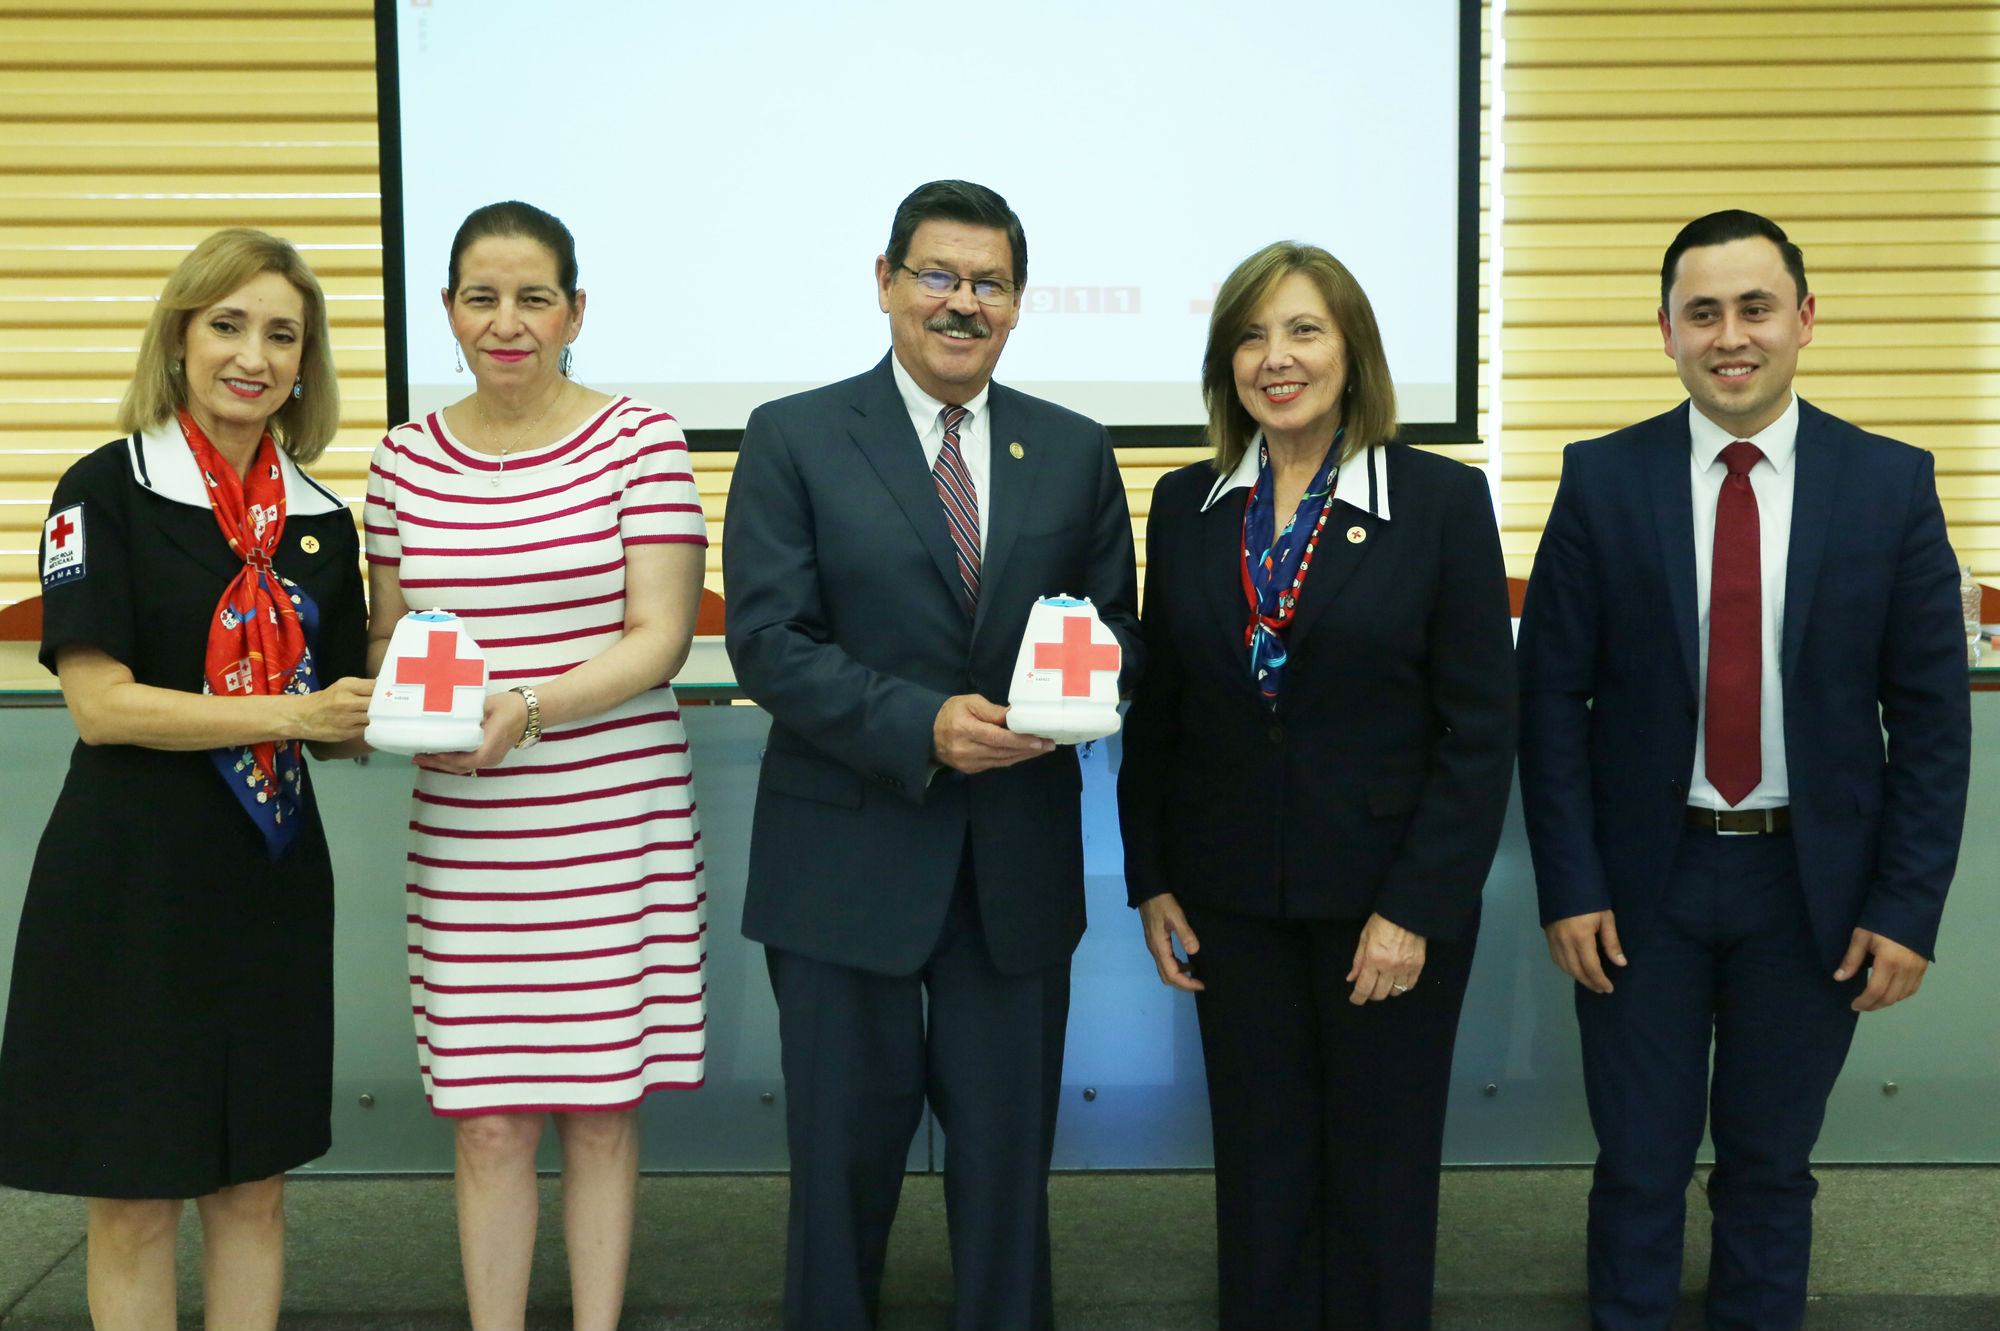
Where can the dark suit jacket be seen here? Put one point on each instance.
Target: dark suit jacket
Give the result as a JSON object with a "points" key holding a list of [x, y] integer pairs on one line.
{"points": [[1873, 637], [846, 623], [1380, 782]]}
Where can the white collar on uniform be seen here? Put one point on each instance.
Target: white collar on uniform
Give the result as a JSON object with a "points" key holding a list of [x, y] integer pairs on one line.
{"points": [[1363, 480], [163, 463], [924, 408]]}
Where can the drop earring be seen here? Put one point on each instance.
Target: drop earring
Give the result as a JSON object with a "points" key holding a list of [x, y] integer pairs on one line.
{"points": [[566, 362], [298, 388], [458, 358]]}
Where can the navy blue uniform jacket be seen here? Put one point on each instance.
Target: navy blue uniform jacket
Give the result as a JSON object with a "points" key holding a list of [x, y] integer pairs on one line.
{"points": [[1380, 782]]}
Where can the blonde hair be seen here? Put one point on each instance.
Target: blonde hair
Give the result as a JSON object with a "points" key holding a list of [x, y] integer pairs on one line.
{"points": [[1368, 404], [303, 426]]}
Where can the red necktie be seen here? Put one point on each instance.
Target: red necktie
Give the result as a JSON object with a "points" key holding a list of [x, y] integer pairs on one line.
{"points": [[961, 504], [1735, 756]]}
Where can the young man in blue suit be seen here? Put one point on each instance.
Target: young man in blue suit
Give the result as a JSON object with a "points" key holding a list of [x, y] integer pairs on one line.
{"points": [[916, 868], [1732, 602]]}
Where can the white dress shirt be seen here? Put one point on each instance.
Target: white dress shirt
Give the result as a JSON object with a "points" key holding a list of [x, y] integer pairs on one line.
{"points": [[1771, 480], [974, 436]]}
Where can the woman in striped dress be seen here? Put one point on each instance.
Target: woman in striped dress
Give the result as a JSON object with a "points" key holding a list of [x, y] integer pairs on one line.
{"points": [[555, 899]]}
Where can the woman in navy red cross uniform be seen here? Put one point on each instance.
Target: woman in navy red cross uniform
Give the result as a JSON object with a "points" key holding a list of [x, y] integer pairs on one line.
{"points": [[1315, 769], [170, 1026]]}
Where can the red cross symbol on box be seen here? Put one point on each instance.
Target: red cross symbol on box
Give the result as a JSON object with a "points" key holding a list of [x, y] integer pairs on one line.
{"points": [[1075, 656], [62, 531], [440, 670]]}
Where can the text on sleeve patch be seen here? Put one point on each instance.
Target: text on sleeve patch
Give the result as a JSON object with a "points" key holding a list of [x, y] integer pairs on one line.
{"points": [[62, 547]]}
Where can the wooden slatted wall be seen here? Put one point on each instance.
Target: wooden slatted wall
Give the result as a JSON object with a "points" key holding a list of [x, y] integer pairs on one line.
{"points": [[1871, 132], [130, 129]]}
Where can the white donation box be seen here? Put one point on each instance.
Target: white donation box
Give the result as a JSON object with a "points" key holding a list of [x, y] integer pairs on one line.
{"points": [[430, 695], [1066, 676]]}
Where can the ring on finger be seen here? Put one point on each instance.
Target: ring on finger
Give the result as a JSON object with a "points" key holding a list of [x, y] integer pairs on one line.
{"points": [[1400, 988]]}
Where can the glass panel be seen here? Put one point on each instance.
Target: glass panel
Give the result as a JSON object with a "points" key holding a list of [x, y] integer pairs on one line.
{"points": [[1133, 1045]]}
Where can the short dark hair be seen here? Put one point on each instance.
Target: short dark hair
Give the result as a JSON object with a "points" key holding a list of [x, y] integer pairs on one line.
{"points": [[1723, 227], [957, 201], [514, 218]]}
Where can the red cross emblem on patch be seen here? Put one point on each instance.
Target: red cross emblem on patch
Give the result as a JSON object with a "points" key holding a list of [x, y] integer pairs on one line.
{"points": [[62, 547]]}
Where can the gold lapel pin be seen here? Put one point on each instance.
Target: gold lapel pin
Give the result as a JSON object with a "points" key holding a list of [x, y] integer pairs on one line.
{"points": [[1356, 535], [309, 544], [1017, 450]]}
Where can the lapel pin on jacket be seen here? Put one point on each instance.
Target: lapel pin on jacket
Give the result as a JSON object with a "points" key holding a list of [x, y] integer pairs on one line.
{"points": [[1016, 449]]}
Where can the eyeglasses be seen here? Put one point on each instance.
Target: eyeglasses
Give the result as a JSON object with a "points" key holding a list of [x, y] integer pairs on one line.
{"points": [[985, 290]]}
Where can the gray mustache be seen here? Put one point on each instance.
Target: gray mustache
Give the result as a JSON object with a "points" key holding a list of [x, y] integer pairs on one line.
{"points": [[952, 321]]}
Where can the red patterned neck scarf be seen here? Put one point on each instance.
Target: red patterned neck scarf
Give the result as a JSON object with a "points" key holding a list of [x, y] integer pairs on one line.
{"points": [[256, 645]]}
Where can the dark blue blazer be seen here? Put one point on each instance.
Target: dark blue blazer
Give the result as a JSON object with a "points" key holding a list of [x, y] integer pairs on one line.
{"points": [[1873, 639], [846, 623], [1380, 782]]}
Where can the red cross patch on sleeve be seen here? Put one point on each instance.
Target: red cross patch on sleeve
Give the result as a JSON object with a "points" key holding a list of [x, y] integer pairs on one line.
{"points": [[62, 547]]}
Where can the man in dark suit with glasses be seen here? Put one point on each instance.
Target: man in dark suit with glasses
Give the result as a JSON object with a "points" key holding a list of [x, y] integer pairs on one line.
{"points": [[916, 868]]}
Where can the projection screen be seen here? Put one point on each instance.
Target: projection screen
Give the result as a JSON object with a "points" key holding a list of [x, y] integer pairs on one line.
{"points": [[729, 172]]}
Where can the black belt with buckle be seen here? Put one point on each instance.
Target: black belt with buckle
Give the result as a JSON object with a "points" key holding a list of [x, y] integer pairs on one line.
{"points": [[1740, 820]]}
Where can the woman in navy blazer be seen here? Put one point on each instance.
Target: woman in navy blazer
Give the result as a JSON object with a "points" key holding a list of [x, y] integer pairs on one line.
{"points": [[1315, 769]]}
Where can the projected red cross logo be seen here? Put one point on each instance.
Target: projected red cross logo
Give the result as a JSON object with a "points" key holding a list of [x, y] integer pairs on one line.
{"points": [[440, 670], [1076, 656], [62, 531]]}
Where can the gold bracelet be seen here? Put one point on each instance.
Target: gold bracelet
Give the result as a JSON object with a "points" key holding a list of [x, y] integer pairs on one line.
{"points": [[534, 730]]}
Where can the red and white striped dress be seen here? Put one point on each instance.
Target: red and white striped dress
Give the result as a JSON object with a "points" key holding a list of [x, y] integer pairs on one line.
{"points": [[556, 914]]}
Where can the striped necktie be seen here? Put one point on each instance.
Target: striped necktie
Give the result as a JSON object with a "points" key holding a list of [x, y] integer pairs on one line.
{"points": [[961, 504]]}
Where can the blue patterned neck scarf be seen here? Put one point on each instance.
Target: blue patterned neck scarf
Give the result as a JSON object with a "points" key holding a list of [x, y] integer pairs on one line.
{"points": [[274, 800], [1275, 565]]}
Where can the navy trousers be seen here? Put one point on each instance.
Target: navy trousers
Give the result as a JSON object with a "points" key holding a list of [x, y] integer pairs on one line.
{"points": [[1329, 1122], [861, 1053], [1728, 962]]}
